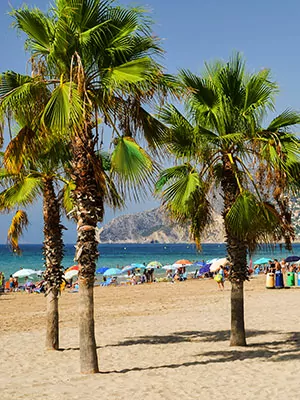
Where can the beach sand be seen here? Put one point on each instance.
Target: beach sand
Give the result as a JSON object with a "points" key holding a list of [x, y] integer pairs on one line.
{"points": [[157, 341]]}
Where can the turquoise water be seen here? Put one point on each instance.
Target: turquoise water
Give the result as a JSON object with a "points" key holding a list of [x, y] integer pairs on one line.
{"points": [[113, 255]]}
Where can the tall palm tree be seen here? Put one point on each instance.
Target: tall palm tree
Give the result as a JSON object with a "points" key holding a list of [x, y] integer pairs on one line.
{"points": [[99, 61], [219, 142]]}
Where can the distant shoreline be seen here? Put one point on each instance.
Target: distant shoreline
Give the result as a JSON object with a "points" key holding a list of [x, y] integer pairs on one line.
{"points": [[147, 243]]}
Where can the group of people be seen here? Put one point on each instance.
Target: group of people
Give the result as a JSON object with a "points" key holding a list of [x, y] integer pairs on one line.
{"points": [[146, 277], [13, 285], [180, 274], [275, 265]]}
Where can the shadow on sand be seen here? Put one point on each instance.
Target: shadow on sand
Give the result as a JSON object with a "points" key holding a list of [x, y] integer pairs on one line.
{"points": [[284, 349], [287, 348]]}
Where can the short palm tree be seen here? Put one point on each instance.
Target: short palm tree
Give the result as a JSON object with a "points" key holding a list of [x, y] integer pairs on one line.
{"points": [[37, 177], [219, 142], [99, 61]]}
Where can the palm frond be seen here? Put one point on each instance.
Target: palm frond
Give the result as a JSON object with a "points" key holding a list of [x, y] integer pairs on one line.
{"points": [[132, 166], [287, 119], [18, 224], [18, 149], [36, 26], [252, 220], [64, 109], [22, 193], [68, 201]]}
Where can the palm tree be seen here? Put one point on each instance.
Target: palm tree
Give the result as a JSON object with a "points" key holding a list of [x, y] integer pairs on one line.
{"points": [[35, 177], [99, 62], [220, 142]]}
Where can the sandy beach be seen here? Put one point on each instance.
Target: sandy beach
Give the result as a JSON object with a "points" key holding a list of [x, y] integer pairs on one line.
{"points": [[156, 341]]}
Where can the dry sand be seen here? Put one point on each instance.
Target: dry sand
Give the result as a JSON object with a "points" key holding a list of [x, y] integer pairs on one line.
{"points": [[157, 341]]}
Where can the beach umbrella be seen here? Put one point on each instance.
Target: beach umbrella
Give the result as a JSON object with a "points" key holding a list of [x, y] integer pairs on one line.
{"points": [[262, 260], [211, 261], [183, 263], [74, 267], [200, 264], [217, 264], [23, 273], [128, 268], [154, 264], [101, 270], [292, 259], [169, 267], [204, 270], [139, 266], [176, 266], [112, 272], [70, 274]]}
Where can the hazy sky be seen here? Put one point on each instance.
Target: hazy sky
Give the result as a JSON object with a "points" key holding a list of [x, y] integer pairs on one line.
{"points": [[193, 31]]}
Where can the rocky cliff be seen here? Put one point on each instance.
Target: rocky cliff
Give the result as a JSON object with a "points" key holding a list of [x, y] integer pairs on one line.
{"points": [[154, 226]]}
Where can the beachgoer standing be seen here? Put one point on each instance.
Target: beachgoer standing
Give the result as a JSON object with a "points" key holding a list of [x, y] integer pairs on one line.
{"points": [[16, 284], [221, 279], [11, 283], [1, 282]]}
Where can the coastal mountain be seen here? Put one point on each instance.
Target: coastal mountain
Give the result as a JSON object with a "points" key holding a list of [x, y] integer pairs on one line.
{"points": [[154, 226]]}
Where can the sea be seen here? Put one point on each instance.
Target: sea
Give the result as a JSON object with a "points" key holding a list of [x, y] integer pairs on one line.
{"points": [[120, 255]]}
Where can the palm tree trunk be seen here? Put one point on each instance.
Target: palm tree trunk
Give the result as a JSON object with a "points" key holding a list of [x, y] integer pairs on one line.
{"points": [[238, 335], [237, 252], [53, 254], [89, 210], [52, 329]]}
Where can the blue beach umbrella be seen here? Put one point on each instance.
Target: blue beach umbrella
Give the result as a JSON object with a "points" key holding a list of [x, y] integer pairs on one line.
{"points": [[262, 260], [138, 266], [292, 259], [200, 264], [101, 270], [112, 272], [204, 270]]}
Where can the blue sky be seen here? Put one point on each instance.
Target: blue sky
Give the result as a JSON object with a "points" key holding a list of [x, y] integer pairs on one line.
{"points": [[266, 32]]}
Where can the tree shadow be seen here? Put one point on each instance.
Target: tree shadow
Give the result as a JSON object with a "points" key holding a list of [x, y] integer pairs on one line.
{"points": [[285, 349], [186, 336], [273, 351]]}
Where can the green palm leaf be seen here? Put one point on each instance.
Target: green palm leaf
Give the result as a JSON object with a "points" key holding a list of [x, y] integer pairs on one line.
{"points": [[251, 220], [68, 202], [23, 192], [130, 72], [132, 165], [64, 109], [180, 183], [286, 119], [37, 26]]}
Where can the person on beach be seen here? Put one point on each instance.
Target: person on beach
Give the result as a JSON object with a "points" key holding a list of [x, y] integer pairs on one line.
{"points": [[1, 282], [11, 283], [220, 278], [284, 266], [16, 284], [277, 265]]}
